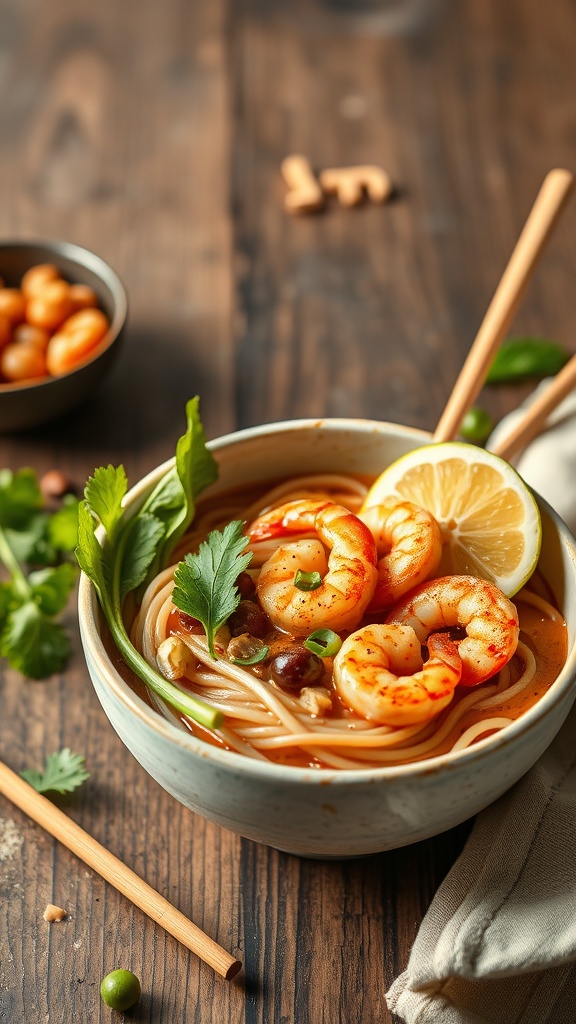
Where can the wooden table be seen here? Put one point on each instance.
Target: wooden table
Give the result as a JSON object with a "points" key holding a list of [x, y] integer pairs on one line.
{"points": [[153, 133]]}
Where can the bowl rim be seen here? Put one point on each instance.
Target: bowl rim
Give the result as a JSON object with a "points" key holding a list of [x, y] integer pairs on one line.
{"points": [[98, 266], [89, 617]]}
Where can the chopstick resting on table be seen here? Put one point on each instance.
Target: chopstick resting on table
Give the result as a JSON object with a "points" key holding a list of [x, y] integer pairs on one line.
{"points": [[533, 422], [114, 871], [550, 201]]}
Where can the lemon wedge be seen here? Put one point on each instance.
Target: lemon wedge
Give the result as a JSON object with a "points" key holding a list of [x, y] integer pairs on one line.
{"points": [[488, 517]]}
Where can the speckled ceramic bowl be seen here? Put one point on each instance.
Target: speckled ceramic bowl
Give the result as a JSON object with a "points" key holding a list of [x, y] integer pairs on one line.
{"points": [[332, 813], [30, 403]]}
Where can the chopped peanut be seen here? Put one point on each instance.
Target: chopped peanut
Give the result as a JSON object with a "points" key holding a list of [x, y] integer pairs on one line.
{"points": [[316, 699], [174, 659], [244, 646], [53, 913]]}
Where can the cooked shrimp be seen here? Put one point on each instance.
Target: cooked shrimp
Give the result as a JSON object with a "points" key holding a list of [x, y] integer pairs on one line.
{"points": [[348, 572], [409, 544], [367, 667], [489, 618]]}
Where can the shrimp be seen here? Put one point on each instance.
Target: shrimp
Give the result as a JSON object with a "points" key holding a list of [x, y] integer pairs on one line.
{"points": [[348, 572], [409, 544], [489, 618], [366, 667]]}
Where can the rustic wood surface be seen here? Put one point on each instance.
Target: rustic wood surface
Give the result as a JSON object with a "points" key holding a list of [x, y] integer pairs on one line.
{"points": [[153, 134]]}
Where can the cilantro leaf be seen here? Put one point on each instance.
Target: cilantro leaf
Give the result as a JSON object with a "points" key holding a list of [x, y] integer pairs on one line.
{"points": [[62, 526], [108, 571], [144, 534], [20, 497], [104, 493], [6, 599], [63, 773], [206, 582], [29, 542], [89, 554], [29, 638], [51, 587], [33, 644]]}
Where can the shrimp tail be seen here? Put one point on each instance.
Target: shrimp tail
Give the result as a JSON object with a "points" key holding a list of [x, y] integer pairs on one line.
{"points": [[291, 519], [444, 651]]}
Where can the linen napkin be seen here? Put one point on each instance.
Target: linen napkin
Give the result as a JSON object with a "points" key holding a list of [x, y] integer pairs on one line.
{"points": [[498, 943]]}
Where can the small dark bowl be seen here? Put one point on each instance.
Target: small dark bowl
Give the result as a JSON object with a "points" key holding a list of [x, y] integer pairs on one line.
{"points": [[27, 404]]}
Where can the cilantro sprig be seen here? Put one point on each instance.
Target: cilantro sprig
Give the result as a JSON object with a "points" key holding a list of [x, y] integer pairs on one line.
{"points": [[129, 550], [205, 582], [31, 638], [62, 773]]}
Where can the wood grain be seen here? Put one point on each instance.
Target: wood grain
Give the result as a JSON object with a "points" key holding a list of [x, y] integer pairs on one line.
{"points": [[153, 134]]}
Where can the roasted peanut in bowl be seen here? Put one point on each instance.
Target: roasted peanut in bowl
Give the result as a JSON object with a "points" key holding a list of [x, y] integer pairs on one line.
{"points": [[62, 312]]}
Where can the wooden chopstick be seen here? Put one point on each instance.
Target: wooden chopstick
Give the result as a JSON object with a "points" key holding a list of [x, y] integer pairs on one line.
{"points": [[534, 419], [549, 203], [114, 871]]}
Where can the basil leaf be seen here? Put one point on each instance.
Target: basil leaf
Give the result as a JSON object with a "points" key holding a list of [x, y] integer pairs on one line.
{"points": [[521, 358], [173, 499]]}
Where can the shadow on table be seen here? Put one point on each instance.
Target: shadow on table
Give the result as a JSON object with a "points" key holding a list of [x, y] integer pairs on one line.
{"points": [[141, 405]]}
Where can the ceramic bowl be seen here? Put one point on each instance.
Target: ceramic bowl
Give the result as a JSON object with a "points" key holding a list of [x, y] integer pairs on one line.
{"points": [[331, 813], [31, 403]]}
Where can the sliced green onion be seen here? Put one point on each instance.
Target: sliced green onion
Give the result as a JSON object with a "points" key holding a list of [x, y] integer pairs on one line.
{"points": [[254, 658], [323, 642], [307, 580]]}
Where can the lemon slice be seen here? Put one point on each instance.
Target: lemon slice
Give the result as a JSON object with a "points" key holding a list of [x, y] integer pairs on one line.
{"points": [[488, 517]]}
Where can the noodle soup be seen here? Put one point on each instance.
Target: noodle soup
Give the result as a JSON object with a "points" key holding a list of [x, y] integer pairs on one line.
{"points": [[305, 721], [329, 811]]}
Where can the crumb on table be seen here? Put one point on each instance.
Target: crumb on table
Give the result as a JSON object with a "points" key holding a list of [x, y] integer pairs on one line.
{"points": [[53, 913]]}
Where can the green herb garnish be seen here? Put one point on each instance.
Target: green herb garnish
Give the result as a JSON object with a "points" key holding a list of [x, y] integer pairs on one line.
{"points": [[205, 582], [260, 655], [307, 580], [131, 548], [522, 358], [63, 773], [31, 639], [323, 642]]}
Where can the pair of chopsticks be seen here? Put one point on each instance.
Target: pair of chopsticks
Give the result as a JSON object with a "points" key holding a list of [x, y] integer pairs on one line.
{"points": [[549, 203], [114, 871]]}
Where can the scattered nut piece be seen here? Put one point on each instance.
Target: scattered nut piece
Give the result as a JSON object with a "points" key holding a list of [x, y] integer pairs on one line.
{"points": [[316, 699], [349, 183], [305, 194], [55, 484], [244, 646], [174, 658], [53, 913]]}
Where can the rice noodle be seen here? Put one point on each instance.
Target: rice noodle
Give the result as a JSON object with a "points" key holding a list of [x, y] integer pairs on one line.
{"points": [[265, 722], [538, 602], [473, 733]]}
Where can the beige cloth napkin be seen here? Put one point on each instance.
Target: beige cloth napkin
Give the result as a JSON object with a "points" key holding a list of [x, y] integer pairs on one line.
{"points": [[498, 944]]}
